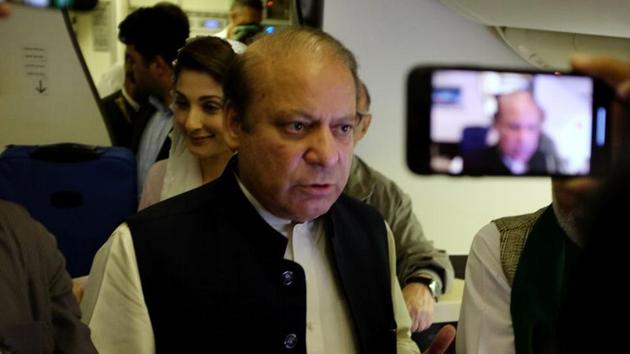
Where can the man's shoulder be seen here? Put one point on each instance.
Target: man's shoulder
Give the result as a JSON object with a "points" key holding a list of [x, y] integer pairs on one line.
{"points": [[13, 216], [351, 203], [488, 155], [112, 96], [523, 221], [18, 227], [349, 206], [491, 150], [364, 182], [359, 180], [9, 209]]}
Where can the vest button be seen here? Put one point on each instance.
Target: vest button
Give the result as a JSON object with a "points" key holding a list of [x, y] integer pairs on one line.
{"points": [[287, 277], [290, 341]]}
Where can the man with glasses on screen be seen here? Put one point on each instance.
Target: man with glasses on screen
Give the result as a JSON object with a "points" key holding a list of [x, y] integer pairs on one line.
{"points": [[519, 150]]}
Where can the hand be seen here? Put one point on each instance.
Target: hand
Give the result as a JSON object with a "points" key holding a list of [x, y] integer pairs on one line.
{"points": [[442, 340], [5, 10], [617, 74], [419, 303], [77, 291]]}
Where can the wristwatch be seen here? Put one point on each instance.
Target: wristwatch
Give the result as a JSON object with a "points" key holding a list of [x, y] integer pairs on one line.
{"points": [[431, 283]]}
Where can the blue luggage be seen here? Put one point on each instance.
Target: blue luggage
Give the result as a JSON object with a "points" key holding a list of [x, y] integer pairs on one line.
{"points": [[79, 192]]}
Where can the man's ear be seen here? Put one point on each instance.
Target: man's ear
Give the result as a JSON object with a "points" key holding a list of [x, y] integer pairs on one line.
{"points": [[232, 16], [363, 127], [159, 67], [232, 126]]}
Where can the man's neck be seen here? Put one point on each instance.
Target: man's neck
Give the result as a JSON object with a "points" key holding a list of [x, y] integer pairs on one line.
{"points": [[568, 222], [517, 167], [279, 224], [165, 87]]}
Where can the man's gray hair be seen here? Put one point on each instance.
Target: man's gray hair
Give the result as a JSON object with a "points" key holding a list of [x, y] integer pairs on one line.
{"points": [[292, 43]]}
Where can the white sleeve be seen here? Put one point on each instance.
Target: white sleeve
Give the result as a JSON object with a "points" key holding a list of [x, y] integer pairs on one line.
{"points": [[404, 343], [485, 322], [113, 305]]}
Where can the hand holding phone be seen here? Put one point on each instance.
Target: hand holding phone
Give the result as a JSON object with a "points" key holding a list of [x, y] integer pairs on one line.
{"points": [[5, 10], [477, 121]]}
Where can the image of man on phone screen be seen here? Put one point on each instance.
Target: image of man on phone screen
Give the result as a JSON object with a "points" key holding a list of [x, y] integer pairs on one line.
{"points": [[521, 146]]}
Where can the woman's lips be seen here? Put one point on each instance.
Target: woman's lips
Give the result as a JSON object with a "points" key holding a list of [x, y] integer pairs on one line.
{"points": [[198, 140]]}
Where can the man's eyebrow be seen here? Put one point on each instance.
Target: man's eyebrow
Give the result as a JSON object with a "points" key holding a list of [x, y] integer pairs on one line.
{"points": [[351, 117], [292, 113]]}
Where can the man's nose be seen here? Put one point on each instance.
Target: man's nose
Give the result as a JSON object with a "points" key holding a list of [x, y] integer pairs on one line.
{"points": [[322, 148], [522, 134]]}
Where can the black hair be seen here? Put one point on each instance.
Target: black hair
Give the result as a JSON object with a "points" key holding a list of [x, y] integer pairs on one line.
{"points": [[254, 4], [210, 55], [158, 30]]}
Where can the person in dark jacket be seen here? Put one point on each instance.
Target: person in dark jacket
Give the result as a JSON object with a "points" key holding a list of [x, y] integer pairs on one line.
{"points": [[270, 257], [38, 311]]}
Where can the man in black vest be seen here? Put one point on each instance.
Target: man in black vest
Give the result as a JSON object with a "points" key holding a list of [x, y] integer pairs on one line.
{"points": [[270, 257]]}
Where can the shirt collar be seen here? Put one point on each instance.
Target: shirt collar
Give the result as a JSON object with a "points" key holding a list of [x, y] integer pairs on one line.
{"points": [[155, 102], [281, 225], [515, 166]]}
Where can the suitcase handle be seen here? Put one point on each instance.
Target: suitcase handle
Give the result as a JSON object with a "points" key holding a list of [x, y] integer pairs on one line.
{"points": [[67, 152]]}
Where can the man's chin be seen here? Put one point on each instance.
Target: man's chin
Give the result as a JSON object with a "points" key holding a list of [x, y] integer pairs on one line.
{"points": [[307, 212], [521, 157]]}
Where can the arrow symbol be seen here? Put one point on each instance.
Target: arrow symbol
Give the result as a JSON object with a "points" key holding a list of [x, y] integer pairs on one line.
{"points": [[40, 88]]}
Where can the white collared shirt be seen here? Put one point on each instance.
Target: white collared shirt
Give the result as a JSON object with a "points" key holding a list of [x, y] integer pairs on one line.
{"points": [[328, 319], [153, 137], [517, 167], [485, 321]]}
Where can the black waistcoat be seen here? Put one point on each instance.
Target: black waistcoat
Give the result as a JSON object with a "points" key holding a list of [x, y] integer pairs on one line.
{"points": [[215, 281]]}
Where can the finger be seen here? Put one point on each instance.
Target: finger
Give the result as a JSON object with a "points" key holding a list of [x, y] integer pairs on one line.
{"points": [[5, 10], [609, 69], [623, 90], [77, 291], [427, 322], [415, 323], [442, 340], [423, 325]]}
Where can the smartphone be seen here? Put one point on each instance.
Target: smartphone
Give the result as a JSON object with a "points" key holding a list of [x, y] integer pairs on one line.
{"points": [[474, 121], [81, 5]]}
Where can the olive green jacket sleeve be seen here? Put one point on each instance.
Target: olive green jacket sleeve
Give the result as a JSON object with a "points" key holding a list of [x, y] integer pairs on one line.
{"points": [[415, 254], [38, 312]]}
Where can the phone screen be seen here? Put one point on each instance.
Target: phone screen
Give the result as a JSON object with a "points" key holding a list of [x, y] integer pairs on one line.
{"points": [[489, 122], [79, 5], [47, 3]]}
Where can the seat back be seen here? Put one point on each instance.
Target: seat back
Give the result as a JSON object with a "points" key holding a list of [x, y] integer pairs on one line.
{"points": [[79, 193]]}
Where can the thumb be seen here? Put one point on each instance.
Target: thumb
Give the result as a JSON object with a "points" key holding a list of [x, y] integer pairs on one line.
{"points": [[442, 340], [609, 69]]}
